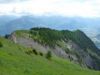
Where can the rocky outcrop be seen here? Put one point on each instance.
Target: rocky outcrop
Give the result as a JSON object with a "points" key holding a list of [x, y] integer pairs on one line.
{"points": [[28, 42]]}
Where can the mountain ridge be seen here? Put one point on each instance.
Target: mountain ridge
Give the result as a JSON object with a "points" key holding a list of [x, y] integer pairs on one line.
{"points": [[72, 45]]}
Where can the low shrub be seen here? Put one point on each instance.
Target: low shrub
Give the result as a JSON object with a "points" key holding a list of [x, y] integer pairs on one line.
{"points": [[40, 53], [49, 55], [1, 45], [35, 52]]}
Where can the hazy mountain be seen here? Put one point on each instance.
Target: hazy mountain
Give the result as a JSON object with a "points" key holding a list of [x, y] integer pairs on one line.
{"points": [[26, 22], [89, 26], [4, 19]]}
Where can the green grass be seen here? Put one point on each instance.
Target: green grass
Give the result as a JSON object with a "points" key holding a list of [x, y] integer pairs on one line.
{"points": [[14, 61]]}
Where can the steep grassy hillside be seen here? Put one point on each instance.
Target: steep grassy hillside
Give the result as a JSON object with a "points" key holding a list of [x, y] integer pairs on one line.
{"points": [[15, 61]]}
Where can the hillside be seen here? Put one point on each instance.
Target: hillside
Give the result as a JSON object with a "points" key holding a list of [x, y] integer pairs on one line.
{"points": [[15, 61], [71, 45]]}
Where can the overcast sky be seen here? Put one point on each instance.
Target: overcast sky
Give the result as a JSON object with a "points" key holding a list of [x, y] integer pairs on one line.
{"points": [[83, 8]]}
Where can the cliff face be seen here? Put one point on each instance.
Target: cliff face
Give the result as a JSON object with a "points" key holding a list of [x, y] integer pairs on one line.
{"points": [[74, 46]]}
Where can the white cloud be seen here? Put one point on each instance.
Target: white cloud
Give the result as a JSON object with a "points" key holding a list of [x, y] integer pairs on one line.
{"points": [[11, 1], [84, 8]]}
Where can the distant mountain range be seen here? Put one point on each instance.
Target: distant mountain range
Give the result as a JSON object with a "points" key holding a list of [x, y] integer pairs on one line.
{"points": [[9, 23]]}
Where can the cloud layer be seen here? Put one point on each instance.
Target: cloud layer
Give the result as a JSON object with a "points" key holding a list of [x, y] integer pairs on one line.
{"points": [[84, 8], [11, 1]]}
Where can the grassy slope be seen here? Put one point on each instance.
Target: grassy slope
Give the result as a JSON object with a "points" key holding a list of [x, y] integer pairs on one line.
{"points": [[14, 61]]}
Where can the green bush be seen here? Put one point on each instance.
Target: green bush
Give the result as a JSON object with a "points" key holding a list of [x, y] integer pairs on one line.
{"points": [[35, 52], [49, 55], [1, 45], [40, 53], [7, 36]]}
